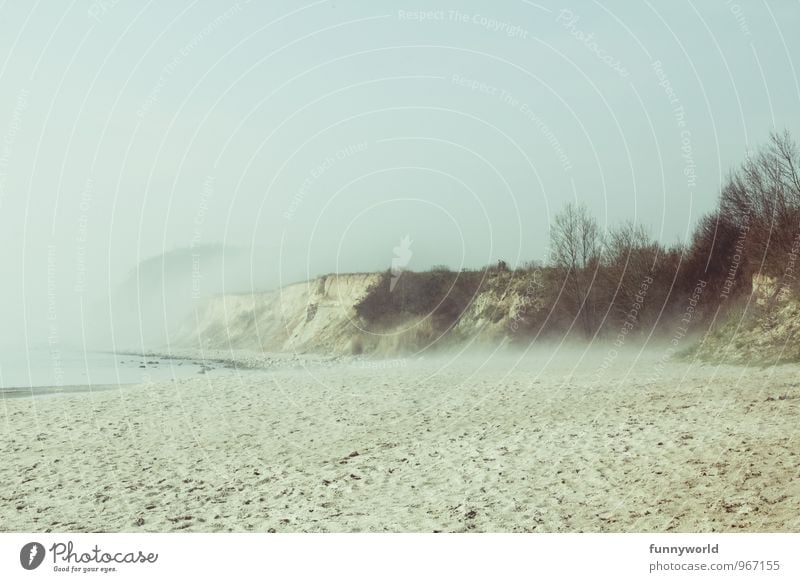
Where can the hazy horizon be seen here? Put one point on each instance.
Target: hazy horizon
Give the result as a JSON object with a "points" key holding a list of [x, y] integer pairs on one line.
{"points": [[313, 139]]}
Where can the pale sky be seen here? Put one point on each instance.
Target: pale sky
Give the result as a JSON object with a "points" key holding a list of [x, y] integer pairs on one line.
{"points": [[320, 134]]}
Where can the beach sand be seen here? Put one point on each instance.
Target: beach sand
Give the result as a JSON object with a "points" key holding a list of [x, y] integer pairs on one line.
{"points": [[477, 443]]}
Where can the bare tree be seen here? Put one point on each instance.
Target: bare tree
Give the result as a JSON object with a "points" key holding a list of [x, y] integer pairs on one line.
{"points": [[762, 201], [623, 243], [629, 259], [576, 249]]}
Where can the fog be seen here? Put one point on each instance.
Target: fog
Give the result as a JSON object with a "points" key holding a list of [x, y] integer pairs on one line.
{"points": [[154, 156]]}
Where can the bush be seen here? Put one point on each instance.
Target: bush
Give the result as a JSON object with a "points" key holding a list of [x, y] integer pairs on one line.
{"points": [[441, 295]]}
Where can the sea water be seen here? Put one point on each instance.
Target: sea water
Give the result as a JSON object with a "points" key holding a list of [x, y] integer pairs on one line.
{"points": [[46, 371]]}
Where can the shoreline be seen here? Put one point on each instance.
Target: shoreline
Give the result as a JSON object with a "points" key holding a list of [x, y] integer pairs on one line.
{"points": [[465, 445], [246, 359], [109, 372], [41, 391]]}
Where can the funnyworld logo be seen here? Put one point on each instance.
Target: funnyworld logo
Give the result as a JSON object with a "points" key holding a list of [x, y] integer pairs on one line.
{"points": [[31, 555]]}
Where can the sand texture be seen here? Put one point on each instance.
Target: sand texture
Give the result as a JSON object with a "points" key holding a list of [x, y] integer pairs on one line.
{"points": [[477, 443]]}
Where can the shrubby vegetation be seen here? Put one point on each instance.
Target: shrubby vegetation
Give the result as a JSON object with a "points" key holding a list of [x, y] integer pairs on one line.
{"points": [[623, 282], [439, 294]]}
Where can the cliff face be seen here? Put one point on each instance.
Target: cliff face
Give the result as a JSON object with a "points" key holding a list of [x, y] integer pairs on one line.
{"points": [[327, 315], [505, 302], [764, 331], [314, 316]]}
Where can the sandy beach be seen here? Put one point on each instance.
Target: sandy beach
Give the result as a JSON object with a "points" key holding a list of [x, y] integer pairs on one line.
{"points": [[472, 443]]}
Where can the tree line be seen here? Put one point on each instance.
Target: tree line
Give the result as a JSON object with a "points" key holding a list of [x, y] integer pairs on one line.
{"points": [[600, 281], [622, 282]]}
